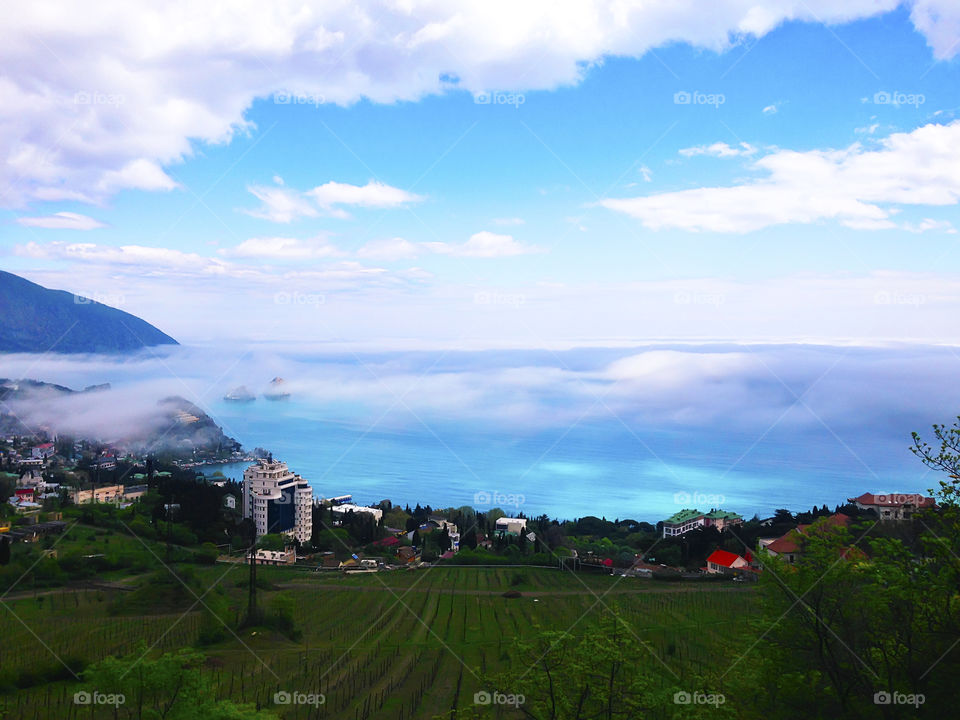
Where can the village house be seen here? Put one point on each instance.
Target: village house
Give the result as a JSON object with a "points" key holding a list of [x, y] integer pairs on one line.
{"points": [[287, 556], [30, 463], [682, 522], [343, 509], [788, 546], [109, 494], [721, 519], [723, 561], [893, 506], [42, 451], [511, 526]]}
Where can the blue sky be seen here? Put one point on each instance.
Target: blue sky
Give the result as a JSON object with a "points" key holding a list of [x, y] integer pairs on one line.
{"points": [[586, 202]]}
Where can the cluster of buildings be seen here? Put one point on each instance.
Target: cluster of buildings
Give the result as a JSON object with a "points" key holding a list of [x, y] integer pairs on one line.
{"points": [[889, 507], [685, 520]]}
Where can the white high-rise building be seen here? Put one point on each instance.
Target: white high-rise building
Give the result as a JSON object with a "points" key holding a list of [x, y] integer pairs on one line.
{"points": [[277, 500]]}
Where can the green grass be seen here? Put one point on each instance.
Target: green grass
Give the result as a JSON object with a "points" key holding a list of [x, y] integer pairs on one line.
{"points": [[404, 644]]}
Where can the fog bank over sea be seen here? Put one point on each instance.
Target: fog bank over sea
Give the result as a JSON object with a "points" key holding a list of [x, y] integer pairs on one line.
{"points": [[622, 432]]}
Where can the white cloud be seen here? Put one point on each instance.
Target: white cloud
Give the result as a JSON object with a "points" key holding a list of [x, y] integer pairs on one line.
{"points": [[646, 173], [480, 245], [279, 204], [939, 21], [771, 109], [283, 205], [720, 149], [509, 221], [100, 98], [374, 194], [484, 244], [867, 129], [390, 249], [928, 224], [62, 221], [138, 259], [856, 187], [281, 248]]}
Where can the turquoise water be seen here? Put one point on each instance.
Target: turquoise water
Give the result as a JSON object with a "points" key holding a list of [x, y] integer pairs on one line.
{"points": [[598, 468]]}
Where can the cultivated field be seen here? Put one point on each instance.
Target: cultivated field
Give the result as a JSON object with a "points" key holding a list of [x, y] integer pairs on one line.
{"points": [[404, 644]]}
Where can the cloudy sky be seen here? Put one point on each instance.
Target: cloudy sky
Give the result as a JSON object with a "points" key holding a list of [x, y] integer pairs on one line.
{"points": [[489, 174]]}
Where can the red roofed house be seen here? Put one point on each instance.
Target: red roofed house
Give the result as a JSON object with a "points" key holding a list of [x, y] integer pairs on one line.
{"points": [[893, 506], [42, 451], [788, 546], [721, 561]]}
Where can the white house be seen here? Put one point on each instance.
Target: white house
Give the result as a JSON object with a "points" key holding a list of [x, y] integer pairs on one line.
{"points": [[349, 507], [514, 526]]}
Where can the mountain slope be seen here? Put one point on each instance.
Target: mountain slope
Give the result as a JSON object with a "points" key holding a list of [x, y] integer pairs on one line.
{"points": [[35, 319]]}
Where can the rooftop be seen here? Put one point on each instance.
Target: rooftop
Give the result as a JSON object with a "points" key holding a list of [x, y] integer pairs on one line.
{"points": [[723, 557], [894, 499], [723, 514], [683, 516]]}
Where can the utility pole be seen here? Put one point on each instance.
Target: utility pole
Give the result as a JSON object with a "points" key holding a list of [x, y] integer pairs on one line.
{"points": [[252, 598]]}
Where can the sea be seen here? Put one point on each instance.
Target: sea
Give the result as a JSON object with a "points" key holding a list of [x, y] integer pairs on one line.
{"points": [[627, 432], [601, 468]]}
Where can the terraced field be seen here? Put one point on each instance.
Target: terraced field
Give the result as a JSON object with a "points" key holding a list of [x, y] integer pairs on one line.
{"points": [[405, 644]]}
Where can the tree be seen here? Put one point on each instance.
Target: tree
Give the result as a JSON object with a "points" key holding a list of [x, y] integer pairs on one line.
{"points": [[863, 612], [444, 541], [601, 671], [4, 551], [170, 687]]}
